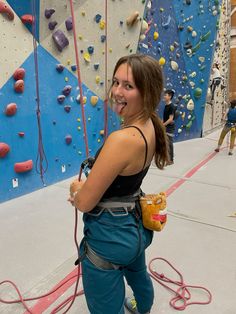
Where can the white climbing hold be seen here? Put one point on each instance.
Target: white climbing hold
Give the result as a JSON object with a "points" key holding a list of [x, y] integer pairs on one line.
{"points": [[132, 19], [190, 105], [174, 65], [144, 27]]}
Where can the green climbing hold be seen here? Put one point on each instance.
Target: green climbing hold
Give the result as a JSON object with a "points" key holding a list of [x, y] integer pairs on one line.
{"points": [[189, 124], [206, 36], [196, 47], [197, 92]]}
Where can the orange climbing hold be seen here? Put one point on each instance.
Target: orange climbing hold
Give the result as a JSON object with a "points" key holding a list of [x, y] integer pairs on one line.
{"points": [[4, 149], [19, 74], [5, 9], [19, 86], [11, 109], [27, 19], [24, 166]]}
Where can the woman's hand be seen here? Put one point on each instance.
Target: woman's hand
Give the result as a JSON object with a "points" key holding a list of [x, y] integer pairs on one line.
{"points": [[75, 186]]}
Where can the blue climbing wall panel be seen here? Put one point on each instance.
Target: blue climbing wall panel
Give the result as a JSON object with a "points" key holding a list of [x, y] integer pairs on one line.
{"points": [[184, 43], [62, 159]]}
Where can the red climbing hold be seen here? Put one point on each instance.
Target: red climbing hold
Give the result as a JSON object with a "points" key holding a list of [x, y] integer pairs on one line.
{"points": [[19, 86], [23, 166], [19, 74], [4, 149], [11, 109], [27, 19], [4, 8], [21, 134]]}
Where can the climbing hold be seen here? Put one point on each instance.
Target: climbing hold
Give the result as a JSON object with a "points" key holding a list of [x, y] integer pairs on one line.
{"points": [[69, 23], [60, 40], [83, 13], [190, 105], [142, 37], [94, 100], [179, 130], [97, 79], [19, 74], [162, 61], [172, 48], [68, 139], [167, 23], [52, 25], [67, 108], [27, 19], [86, 56], [60, 68], [206, 36], [110, 49], [48, 13], [194, 34], [5, 9], [180, 27], [188, 45], [189, 52], [188, 2], [97, 18], [4, 149], [189, 29], [61, 98], [66, 90], [103, 38], [21, 134], [132, 19], [102, 24], [73, 68], [24, 166], [155, 35], [144, 27], [19, 86], [174, 66], [84, 99], [102, 132], [196, 47], [197, 92], [90, 50], [189, 124], [96, 66], [193, 74]]}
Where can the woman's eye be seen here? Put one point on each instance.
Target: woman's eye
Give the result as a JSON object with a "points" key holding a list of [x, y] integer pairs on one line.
{"points": [[128, 86], [115, 83]]}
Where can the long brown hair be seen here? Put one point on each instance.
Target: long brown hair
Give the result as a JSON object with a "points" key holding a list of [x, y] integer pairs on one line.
{"points": [[148, 79]]}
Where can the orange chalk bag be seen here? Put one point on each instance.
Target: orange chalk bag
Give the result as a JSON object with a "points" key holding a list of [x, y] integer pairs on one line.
{"points": [[154, 212]]}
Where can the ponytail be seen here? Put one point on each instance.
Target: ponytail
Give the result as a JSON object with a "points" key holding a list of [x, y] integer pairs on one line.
{"points": [[161, 155]]}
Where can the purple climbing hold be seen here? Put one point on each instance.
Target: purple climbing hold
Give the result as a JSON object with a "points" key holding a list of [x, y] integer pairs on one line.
{"points": [[97, 18], [103, 38], [61, 98], [52, 25], [60, 68], [68, 139], [60, 40], [66, 90], [67, 108], [69, 23], [48, 13]]}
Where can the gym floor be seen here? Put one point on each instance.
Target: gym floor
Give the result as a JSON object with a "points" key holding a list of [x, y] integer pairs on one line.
{"points": [[38, 251]]}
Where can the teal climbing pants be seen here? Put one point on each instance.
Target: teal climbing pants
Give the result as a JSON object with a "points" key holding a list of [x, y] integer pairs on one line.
{"points": [[121, 240]]}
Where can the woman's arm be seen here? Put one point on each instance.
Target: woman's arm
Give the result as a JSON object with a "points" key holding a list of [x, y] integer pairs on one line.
{"points": [[113, 158]]}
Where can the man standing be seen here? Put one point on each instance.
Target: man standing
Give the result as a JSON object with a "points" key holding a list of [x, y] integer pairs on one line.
{"points": [[168, 121]]}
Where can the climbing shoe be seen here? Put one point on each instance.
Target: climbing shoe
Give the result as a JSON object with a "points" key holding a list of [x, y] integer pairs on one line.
{"points": [[131, 305]]}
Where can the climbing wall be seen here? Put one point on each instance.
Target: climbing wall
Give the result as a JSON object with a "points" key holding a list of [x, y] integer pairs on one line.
{"points": [[181, 35], [42, 145], [214, 110]]}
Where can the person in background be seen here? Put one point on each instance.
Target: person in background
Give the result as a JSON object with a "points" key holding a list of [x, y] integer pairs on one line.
{"points": [[230, 125], [215, 79], [168, 121], [115, 239]]}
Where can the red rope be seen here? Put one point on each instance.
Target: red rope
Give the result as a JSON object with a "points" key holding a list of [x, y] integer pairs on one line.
{"points": [[182, 294], [79, 79], [106, 82]]}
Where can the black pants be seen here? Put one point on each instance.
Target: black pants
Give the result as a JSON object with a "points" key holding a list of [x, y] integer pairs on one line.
{"points": [[216, 81], [171, 147]]}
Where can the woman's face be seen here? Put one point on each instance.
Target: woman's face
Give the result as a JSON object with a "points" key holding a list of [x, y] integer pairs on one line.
{"points": [[127, 101]]}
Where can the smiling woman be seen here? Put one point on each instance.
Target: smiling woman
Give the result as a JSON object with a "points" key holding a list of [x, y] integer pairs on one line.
{"points": [[114, 236]]}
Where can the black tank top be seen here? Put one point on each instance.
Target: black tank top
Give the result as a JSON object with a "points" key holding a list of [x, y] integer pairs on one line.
{"points": [[127, 185]]}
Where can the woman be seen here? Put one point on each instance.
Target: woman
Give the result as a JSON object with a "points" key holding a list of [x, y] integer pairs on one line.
{"points": [[230, 125], [216, 79], [114, 237]]}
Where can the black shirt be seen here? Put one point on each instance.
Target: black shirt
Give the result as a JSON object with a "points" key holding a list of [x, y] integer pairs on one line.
{"points": [[168, 111]]}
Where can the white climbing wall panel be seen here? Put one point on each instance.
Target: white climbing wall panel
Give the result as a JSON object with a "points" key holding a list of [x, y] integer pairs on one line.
{"points": [[214, 112], [12, 53], [121, 39]]}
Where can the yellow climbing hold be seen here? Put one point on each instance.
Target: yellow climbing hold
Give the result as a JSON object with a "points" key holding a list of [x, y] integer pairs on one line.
{"points": [[83, 13], [66, 79], [78, 120], [94, 100], [162, 61], [97, 79], [102, 132], [87, 57], [172, 48], [99, 140], [155, 35], [80, 37], [132, 19], [79, 128], [68, 61], [102, 24], [110, 49]]}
